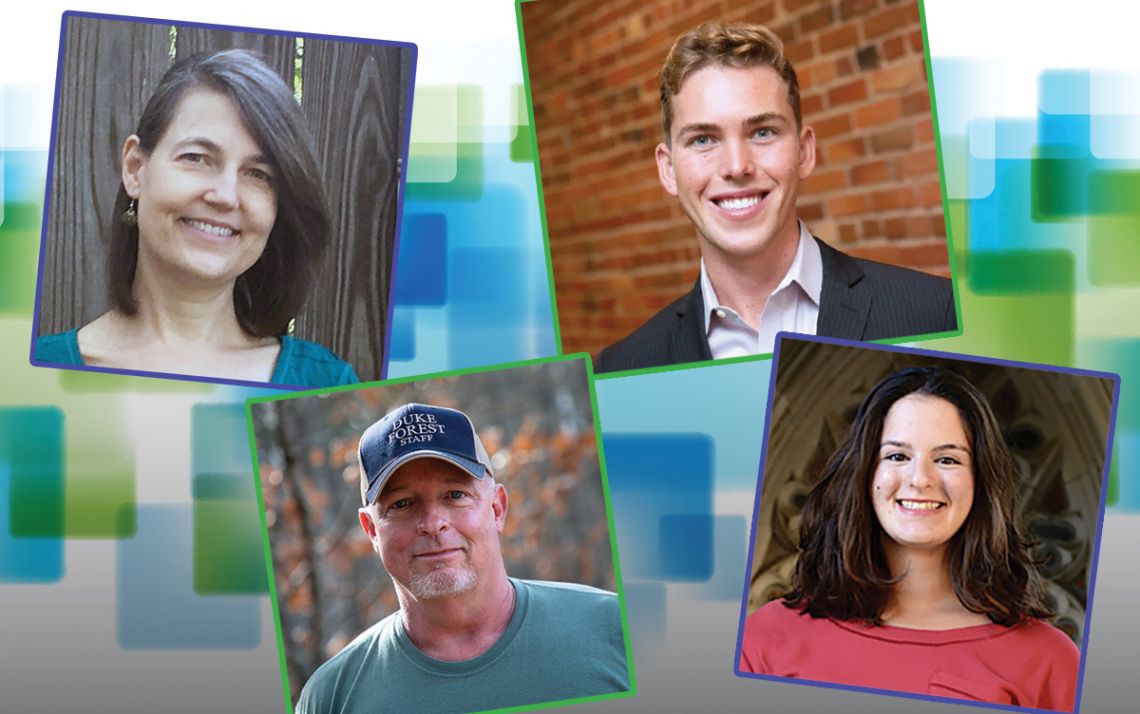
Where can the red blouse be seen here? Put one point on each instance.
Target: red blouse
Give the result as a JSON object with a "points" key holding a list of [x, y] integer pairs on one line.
{"points": [[1029, 665]]}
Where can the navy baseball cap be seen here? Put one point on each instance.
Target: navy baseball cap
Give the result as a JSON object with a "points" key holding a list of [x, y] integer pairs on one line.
{"points": [[417, 431]]}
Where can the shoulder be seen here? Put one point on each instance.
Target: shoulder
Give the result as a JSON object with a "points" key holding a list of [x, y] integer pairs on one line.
{"points": [[775, 616], [307, 364], [648, 345], [60, 348], [545, 592], [776, 633], [330, 685], [1048, 643], [902, 301]]}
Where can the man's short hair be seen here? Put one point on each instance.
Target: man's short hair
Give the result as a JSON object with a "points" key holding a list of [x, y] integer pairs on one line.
{"points": [[738, 44]]}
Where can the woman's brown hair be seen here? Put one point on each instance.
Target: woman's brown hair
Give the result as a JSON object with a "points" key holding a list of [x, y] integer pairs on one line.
{"points": [[272, 291], [842, 570]]}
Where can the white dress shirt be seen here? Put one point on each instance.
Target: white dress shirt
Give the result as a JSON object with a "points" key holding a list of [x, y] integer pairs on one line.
{"points": [[792, 307]]}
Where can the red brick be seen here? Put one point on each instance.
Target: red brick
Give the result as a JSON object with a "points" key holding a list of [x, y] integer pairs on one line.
{"points": [[809, 211], [894, 227], [900, 137], [918, 162], [874, 172], [930, 255], [811, 104], [892, 199], [844, 66], [847, 205], [916, 102], [848, 233], [838, 151], [924, 130], [930, 193], [816, 19], [854, 91], [816, 74], [916, 41], [894, 48], [898, 76], [792, 6], [833, 127], [877, 113], [890, 20], [800, 51], [843, 38], [853, 8], [827, 180], [871, 228]]}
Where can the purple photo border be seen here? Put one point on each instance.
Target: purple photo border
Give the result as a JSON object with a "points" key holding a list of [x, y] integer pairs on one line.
{"points": [[400, 195], [949, 357]]}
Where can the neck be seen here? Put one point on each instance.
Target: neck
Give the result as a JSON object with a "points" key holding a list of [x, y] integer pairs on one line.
{"points": [[172, 312], [924, 597], [744, 283], [461, 627]]}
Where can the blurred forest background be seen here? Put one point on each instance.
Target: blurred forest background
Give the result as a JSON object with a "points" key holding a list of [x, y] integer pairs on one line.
{"points": [[537, 424]]}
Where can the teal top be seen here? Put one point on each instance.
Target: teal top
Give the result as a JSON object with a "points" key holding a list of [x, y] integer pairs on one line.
{"points": [[564, 641], [300, 363]]}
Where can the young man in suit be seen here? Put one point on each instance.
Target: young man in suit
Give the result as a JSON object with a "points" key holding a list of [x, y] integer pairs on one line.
{"points": [[734, 154]]}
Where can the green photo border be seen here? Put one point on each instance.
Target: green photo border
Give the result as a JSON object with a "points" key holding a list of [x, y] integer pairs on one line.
{"points": [[608, 503], [951, 242]]}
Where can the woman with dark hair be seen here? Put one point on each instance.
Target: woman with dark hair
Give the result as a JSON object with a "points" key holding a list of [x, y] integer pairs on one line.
{"points": [[913, 572], [220, 225]]}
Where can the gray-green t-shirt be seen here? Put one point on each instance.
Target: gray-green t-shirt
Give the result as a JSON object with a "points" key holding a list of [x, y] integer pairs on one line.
{"points": [[564, 641]]}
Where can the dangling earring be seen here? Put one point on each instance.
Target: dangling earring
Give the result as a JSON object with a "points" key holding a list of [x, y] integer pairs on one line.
{"points": [[131, 215]]}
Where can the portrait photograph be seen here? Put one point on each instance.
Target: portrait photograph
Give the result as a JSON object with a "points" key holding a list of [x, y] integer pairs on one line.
{"points": [[444, 544], [222, 204], [927, 524], [715, 176]]}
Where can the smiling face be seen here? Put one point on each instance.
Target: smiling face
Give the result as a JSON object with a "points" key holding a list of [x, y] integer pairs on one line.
{"points": [[206, 200], [923, 485], [735, 159], [436, 528]]}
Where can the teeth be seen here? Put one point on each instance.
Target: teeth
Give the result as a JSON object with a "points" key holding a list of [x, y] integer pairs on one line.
{"points": [[738, 204], [219, 231], [920, 505]]}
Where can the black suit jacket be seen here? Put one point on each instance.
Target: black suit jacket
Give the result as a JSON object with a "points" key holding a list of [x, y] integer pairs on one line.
{"points": [[860, 300]]}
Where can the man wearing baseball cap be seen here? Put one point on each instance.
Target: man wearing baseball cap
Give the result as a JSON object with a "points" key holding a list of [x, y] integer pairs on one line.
{"points": [[467, 636]]}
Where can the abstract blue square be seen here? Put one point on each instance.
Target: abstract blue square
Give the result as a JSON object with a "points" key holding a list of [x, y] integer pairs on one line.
{"points": [[685, 546], [421, 273], [402, 343], [219, 440], [156, 606], [652, 477]]}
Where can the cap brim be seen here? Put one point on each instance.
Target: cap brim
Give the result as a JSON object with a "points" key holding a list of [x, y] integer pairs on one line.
{"points": [[473, 468]]}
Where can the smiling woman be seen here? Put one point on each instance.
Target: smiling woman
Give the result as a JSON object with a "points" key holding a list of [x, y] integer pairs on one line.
{"points": [[914, 573], [220, 226]]}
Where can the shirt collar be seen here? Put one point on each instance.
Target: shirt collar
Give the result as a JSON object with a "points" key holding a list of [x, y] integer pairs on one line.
{"points": [[806, 271]]}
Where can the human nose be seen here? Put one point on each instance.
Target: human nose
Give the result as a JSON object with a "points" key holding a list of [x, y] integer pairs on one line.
{"points": [[920, 475], [737, 160], [223, 190], [433, 520]]}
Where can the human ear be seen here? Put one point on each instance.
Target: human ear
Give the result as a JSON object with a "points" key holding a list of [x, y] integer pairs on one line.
{"points": [[807, 152], [499, 504], [133, 165], [369, 527], [665, 172]]}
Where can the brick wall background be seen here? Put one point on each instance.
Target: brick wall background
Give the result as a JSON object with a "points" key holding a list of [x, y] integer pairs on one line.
{"points": [[621, 247]]}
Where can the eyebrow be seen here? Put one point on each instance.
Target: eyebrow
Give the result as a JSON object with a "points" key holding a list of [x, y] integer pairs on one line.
{"points": [[940, 447], [710, 128], [215, 147], [765, 118]]}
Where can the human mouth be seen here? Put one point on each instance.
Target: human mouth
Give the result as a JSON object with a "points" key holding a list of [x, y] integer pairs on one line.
{"points": [[214, 230], [437, 554], [740, 205], [925, 506]]}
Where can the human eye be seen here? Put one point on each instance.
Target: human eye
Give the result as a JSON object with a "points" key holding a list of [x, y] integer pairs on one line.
{"points": [[764, 132], [193, 157], [700, 140], [456, 495], [947, 460], [260, 174], [896, 456], [400, 504]]}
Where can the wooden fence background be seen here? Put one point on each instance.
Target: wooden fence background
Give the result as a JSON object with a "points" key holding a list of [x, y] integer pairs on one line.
{"points": [[355, 99]]}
